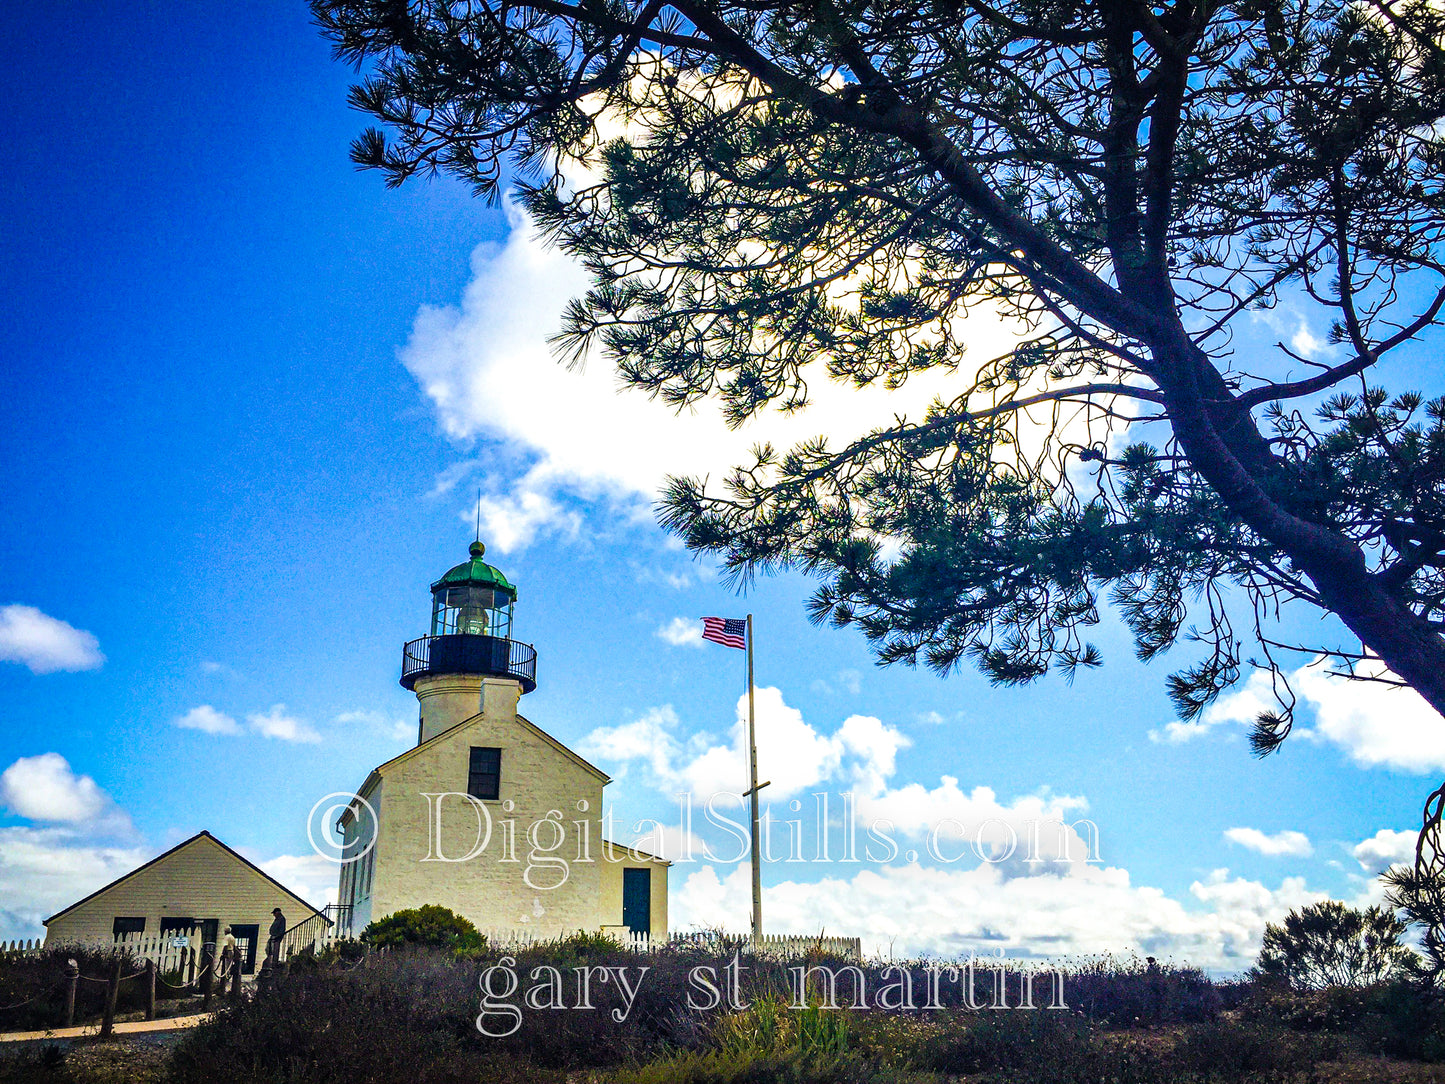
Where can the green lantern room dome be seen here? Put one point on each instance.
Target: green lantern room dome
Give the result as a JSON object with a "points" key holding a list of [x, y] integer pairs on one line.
{"points": [[471, 628], [476, 572]]}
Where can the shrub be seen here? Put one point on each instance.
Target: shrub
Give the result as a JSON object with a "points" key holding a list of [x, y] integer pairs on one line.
{"points": [[32, 987], [430, 925], [959, 1043], [1398, 1019], [1328, 944], [1420, 894], [1049, 1047], [1133, 991], [412, 1016], [407, 1022]]}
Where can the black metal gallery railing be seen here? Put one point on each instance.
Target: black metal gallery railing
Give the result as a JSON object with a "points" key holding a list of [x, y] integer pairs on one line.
{"points": [[467, 654]]}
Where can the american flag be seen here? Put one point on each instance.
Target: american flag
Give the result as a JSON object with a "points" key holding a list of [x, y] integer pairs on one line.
{"points": [[728, 631]]}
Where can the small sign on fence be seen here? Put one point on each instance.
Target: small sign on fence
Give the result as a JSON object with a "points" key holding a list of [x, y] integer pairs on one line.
{"points": [[180, 942]]}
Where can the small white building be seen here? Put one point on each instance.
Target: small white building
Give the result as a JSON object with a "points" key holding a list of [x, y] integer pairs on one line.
{"points": [[196, 889], [488, 814]]}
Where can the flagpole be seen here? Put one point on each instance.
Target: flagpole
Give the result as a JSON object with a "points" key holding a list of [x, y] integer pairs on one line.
{"points": [[753, 793]]}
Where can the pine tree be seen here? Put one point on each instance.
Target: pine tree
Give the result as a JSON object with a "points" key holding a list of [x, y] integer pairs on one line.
{"points": [[782, 193]]}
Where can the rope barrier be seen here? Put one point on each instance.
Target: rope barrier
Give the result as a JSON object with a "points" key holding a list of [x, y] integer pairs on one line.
{"points": [[34, 997], [54, 987], [219, 975]]}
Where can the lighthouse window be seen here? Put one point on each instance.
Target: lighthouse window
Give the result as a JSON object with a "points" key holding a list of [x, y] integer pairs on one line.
{"points": [[471, 610], [484, 780]]}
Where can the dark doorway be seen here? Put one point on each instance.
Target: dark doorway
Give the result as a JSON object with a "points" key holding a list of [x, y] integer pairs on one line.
{"points": [[246, 941], [210, 931], [637, 900]]}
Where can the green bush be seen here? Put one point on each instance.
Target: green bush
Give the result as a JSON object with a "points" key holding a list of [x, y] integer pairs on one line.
{"points": [[412, 1016], [743, 1067], [1398, 1019], [1052, 1047], [32, 987], [431, 926], [1131, 991], [1328, 944]]}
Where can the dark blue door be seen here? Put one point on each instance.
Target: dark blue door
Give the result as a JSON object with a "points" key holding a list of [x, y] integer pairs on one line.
{"points": [[637, 900]]}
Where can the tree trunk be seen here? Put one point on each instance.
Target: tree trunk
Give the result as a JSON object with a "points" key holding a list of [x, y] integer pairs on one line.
{"points": [[1335, 565]]}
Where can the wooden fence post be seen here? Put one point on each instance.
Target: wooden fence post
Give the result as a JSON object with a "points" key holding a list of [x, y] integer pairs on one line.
{"points": [[112, 991], [224, 970], [150, 988], [72, 974], [238, 957], [208, 967]]}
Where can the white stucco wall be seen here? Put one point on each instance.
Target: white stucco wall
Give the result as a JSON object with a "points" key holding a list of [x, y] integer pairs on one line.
{"points": [[541, 784]]}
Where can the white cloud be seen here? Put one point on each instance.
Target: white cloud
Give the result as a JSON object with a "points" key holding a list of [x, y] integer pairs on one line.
{"points": [[1176, 732], [45, 644], [276, 723], [44, 788], [208, 720], [396, 729], [859, 758], [794, 757], [488, 370], [448, 479], [43, 870], [1293, 844], [513, 520], [1384, 849], [682, 632], [1243, 705], [912, 910], [313, 878], [675, 580], [980, 892], [1377, 725]]}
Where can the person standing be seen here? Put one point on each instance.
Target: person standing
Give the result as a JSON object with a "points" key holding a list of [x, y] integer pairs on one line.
{"points": [[274, 935]]}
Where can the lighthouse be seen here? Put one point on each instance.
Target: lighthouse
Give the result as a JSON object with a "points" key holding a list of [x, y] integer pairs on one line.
{"points": [[469, 662], [488, 814]]}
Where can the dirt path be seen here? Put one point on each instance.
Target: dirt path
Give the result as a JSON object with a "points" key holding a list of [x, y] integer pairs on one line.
{"points": [[88, 1031]]}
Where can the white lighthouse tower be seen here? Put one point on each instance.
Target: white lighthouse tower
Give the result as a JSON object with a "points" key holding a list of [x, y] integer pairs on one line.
{"points": [[488, 814], [469, 662]]}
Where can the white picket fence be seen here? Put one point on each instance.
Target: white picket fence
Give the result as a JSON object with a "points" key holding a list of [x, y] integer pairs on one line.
{"points": [[171, 956], [174, 951], [790, 945], [318, 937], [780, 946]]}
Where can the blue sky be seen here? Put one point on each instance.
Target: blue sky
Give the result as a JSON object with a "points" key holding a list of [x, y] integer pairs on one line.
{"points": [[248, 398]]}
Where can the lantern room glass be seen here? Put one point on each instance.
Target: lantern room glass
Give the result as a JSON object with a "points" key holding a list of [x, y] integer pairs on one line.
{"points": [[471, 610]]}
